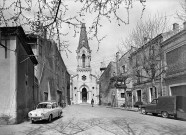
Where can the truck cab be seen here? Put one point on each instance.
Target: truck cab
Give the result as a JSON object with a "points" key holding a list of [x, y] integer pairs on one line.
{"points": [[151, 108], [163, 105]]}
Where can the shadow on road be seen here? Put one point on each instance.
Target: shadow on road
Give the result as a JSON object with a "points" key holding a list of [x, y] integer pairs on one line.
{"points": [[170, 117]]}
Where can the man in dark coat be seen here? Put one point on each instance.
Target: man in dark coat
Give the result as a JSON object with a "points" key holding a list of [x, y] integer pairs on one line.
{"points": [[92, 102]]}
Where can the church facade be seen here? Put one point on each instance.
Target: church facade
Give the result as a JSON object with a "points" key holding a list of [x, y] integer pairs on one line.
{"points": [[84, 86]]}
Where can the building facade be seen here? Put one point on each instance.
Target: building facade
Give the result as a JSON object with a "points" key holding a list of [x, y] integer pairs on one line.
{"points": [[84, 85], [123, 65], [18, 84], [174, 62], [107, 91], [145, 63], [51, 70]]}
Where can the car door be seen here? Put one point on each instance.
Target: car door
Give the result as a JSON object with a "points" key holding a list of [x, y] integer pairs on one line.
{"points": [[152, 106], [53, 110], [56, 109]]}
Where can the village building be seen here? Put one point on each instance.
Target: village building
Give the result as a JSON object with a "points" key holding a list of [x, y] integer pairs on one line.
{"points": [[174, 62], [51, 71], [107, 91], [17, 61], [84, 85], [146, 73], [113, 92], [124, 69], [149, 68]]}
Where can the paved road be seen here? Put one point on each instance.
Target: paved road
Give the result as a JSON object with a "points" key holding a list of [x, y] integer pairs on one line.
{"points": [[87, 120]]}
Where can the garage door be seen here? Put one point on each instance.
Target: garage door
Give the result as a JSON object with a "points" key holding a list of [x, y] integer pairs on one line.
{"points": [[178, 90]]}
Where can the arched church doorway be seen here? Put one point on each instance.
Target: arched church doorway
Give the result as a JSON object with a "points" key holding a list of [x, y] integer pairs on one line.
{"points": [[84, 95]]}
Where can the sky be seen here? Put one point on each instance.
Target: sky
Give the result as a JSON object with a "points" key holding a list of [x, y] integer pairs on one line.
{"points": [[115, 34]]}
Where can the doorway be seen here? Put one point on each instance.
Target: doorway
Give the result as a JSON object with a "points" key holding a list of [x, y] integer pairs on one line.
{"points": [[139, 95], [84, 95]]}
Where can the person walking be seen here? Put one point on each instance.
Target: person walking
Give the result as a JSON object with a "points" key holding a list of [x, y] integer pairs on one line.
{"points": [[92, 102]]}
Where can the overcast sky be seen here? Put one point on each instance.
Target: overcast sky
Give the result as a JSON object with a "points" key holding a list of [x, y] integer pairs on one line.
{"points": [[115, 34]]}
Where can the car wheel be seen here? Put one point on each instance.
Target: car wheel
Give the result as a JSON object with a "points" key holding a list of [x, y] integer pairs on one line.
{"points": [[143, 111], [50, 118], [164, 114], [175, 116]]}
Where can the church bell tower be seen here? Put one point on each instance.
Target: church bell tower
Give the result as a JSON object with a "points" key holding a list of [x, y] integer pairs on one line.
{"points": [[85, 87], [83, 52]]}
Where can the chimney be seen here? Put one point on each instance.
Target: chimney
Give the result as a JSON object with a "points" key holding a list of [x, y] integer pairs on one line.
{"points": [[184, 25], [103, 66], [175, 26]]}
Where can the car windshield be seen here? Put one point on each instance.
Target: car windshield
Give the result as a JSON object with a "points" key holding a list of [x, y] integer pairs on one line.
{"points": [[44, 105]]}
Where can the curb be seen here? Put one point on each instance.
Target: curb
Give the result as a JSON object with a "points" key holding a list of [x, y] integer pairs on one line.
{"points": [[134, 110]]}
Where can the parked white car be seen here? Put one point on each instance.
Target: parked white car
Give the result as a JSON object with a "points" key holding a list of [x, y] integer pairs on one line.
{"points": [[45, 111]]}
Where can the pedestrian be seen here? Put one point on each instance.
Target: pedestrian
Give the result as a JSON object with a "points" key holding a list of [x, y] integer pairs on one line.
{"points": [[92, 102]]}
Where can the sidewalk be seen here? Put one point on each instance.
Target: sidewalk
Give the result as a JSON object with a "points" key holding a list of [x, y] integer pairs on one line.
{"points": [[126, 109]]}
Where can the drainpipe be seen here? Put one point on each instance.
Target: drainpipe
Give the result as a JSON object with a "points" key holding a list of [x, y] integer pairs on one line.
{"points": [[16, 82]]}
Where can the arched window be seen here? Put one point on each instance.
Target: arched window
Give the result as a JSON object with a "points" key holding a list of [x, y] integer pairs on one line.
{"points": [[83, 60]]}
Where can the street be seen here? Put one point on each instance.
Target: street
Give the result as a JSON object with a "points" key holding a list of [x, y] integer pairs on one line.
{"points": [[99, 120]]}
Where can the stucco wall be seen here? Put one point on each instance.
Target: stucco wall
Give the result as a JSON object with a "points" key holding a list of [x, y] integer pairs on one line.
{"points": [[176, 71], [8, 79], [25, 80], [104, 83], [90, 84], [51, 71]]}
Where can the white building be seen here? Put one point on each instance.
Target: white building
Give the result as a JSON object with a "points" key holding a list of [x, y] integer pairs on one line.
{"points": [[84, 85]]}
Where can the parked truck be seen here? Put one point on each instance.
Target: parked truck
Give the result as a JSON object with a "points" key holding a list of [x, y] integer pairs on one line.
{"points": [[167, 106]]}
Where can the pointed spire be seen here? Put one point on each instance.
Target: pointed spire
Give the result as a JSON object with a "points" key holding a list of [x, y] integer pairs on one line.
{"points": [[83, 40]]}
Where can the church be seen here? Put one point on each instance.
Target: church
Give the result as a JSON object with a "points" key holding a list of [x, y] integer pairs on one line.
{"points": [[84, 84]]}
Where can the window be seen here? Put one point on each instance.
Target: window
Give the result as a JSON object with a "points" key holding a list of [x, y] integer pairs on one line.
{"points": [[176, 60], [83, 60], [154, 101], [122, 95], [153, 93], [139, 95], [123, 68], [54, 105], [92, 87]]}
